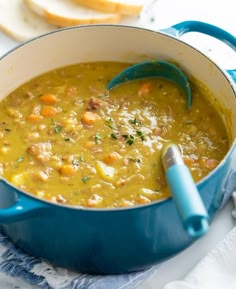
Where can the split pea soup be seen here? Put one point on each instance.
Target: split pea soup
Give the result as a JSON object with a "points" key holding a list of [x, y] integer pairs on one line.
{"points": [[63, 138]]}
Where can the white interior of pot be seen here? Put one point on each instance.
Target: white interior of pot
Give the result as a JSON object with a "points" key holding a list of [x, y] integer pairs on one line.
{"points": [[113, 43]]}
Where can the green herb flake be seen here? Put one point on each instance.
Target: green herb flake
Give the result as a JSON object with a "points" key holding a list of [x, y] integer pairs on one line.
{"points": [[135, 160], [140, 134], [20, 159], [81, 159], [110, 123], [85, 179], [67, 139], [129, 138], [113, 136], [53, 121], [97, 138], [130, 142], [135, 122], [7, 129], [75, 162], [58, 129]]}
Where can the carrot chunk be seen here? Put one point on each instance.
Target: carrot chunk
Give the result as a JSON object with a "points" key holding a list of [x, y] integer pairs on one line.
{"points": [[49, 98], [111, 158], [34, 117], [89, 144], [188, 160], [48, 111], [212, 163], [208, 163], [67, 170], [89, 118], [144, 88]]}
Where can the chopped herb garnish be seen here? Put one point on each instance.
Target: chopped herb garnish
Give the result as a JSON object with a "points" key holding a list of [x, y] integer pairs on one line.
{"points": [[113, 136], [7, 129], [140, 134], [58, 129], [135, 160], [67, 139], [135, 122], [75, 162], [53, 121], [81, 159], [85, 179], [97, 138], [129, 138], [110, 123], [130, 142], [20, 159]]}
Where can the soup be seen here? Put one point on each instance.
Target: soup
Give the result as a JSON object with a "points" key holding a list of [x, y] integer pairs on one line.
{"points": [[65, 139]]}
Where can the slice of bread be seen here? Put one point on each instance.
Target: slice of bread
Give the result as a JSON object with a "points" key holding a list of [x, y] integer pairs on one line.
{"points": [[68, 13], [124, 7], [19, 22]]}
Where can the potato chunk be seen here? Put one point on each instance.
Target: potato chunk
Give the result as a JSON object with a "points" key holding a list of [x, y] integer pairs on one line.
{"points": [[40, 151], [105, 172]]}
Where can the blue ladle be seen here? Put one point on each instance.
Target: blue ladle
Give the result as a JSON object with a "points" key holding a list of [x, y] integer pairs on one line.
{"points": [[155, 68], [184, 191]]}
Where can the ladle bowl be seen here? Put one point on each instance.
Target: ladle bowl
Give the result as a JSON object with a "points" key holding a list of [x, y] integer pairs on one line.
{"points": [[155, 68]]}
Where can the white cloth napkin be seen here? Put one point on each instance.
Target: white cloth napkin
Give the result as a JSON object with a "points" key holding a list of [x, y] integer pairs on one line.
{"points": [[217, 270]]}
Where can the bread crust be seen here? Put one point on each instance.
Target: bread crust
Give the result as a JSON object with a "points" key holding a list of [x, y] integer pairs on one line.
{"points": [[58, 19], [113, 6]]}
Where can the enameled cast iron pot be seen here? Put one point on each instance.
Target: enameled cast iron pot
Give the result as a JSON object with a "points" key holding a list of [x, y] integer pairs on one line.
{"points": [[113, 240]]}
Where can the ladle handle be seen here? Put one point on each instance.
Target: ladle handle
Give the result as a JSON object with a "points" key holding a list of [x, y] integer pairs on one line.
{"points": [[184, 192], [184, 27]]}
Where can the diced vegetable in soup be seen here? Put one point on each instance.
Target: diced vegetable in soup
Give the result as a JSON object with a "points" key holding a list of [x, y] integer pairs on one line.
{"points": [[64, 139]]}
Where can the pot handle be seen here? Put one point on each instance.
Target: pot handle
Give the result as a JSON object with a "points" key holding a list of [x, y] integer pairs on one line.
{"points": [[184, 27], [18, 206]]}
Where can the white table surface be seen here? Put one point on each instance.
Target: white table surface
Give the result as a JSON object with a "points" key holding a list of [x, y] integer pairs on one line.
{"points": [[162, 14]]}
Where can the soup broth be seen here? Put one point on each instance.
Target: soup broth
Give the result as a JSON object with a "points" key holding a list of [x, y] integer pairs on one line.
{"points": [[65, 139]]}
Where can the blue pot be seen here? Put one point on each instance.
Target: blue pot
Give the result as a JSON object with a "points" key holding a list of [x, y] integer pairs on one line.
{"points": [[108, 241]]}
